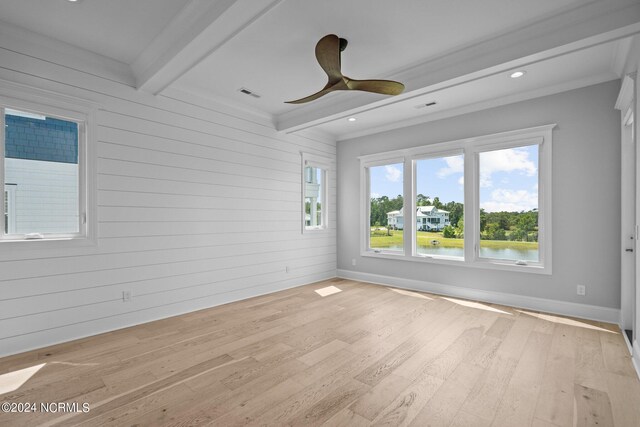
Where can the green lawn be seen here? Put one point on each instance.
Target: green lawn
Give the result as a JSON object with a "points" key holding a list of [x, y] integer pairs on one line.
{"points": [[379, 239]]}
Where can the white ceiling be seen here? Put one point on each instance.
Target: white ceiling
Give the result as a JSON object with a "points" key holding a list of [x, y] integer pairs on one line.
{"points": [[457, 53], [275, 58], [118, 29], [576, 69]]}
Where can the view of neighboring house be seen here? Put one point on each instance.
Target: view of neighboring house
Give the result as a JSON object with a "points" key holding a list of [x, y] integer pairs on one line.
{"points": [[41, 174], [395, 220], [428, 218]]}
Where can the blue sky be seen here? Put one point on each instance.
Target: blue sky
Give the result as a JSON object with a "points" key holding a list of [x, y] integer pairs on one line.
{"points": [[508, 179]]}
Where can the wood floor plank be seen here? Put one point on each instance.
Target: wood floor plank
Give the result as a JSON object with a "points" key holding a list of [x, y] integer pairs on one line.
{"points": [[556, 398], [408, 404], [368, 355], [593, 407], [379, 397], [442, 408], [519, 401]]}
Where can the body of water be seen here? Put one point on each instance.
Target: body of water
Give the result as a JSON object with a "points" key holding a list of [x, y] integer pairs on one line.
{"points": [[503, 253]]}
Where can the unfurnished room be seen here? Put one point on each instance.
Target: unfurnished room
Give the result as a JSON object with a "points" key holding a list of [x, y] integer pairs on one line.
{"points": [[305, 213]]}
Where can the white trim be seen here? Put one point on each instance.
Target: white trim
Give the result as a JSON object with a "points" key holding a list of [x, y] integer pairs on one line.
{"points": [[471, 148], [69, 333], [83, 113], [365, 203], [625, 96], [480, 105], [635, 357], [572, 31], [191, 37], [64, 54], [512, 136], [564, 308]]}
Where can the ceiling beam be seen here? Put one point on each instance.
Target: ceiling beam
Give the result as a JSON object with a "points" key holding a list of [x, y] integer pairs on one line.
{"points": [[200, 29], [596, 22]]}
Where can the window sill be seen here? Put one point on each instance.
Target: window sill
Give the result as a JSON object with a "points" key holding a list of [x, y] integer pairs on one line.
{"points": [[460, 262], [314, 230], [45, 243]]}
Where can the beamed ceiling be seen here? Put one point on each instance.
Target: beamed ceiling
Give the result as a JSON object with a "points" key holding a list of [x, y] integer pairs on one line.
{"points": [[458, 54]]}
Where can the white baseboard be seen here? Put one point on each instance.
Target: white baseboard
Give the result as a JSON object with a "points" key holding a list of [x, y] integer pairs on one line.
{"points": [[91, 328], [635, 357], [583, 311]]}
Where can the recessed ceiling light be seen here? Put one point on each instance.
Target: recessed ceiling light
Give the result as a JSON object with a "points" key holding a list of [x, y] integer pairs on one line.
{"points": [[518, 74], [72, 1], [351, 119]]}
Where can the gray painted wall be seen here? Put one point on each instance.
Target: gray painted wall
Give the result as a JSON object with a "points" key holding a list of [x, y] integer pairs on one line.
{"points": [[586, 186]]}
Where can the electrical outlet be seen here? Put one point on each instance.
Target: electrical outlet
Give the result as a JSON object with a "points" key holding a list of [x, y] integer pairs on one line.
{"points": [[581, 290], [353, 261], [126, 296]]}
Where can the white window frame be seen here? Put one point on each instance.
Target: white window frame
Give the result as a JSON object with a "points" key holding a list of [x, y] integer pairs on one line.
{"points": [[24, 98], [365, 205], [324, 164], [432, 153], [471, 149]]}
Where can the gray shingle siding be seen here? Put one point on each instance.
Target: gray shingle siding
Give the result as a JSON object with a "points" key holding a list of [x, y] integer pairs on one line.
{"points": [[50, 140]]}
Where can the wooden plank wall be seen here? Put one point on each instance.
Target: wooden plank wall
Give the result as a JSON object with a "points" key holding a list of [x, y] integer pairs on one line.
{"points": [[196, 206]]}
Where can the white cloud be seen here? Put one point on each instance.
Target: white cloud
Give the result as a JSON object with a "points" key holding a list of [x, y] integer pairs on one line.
{"points": [[455, 164], [511, 160], [511, 201], [461, 180], [393, 174], [375, 195]]}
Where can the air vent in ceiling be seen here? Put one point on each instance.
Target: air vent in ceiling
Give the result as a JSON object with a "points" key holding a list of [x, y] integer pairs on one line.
{"points": [[428, 104], [248, 92]]}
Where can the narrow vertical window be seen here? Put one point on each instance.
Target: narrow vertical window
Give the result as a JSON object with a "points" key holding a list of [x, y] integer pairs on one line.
{"points": [[386, 208], [509, 204], [314, 197], [439, 204]]}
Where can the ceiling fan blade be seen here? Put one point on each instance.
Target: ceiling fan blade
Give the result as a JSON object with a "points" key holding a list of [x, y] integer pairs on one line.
{"points": [[310, 97], [328, 56], [386, 87]]}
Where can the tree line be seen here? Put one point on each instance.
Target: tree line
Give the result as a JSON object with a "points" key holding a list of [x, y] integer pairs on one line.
{"points": [[520, 226]]}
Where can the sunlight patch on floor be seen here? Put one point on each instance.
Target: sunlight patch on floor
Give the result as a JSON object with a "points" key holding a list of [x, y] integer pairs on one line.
{"points": [[12, 381], [473, 304], [565, 321], [329, 290], [410, 294]]}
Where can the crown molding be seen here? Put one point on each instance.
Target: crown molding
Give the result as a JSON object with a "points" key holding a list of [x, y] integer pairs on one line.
{"points": [[220, 105], [23, 41], [199, 30], [586, 25], [483, 105]]}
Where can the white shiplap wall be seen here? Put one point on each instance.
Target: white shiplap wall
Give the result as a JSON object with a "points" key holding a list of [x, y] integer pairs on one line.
{"points": [[197, 206]]}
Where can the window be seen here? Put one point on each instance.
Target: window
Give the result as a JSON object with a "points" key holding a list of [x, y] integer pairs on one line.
{"points": [[439, 202], [43, 168], [509, 204], [482, 202], [386, 216], [314, 197]]}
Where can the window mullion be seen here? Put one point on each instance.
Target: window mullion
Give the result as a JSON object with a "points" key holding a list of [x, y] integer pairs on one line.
{"points": [[471, 201], [409, 180]]}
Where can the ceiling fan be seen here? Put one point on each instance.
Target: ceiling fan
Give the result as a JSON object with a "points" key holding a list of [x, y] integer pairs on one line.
{"points": [[328, 54]]}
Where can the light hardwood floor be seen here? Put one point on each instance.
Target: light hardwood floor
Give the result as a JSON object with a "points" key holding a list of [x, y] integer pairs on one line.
{"points": [[366, 355]]}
